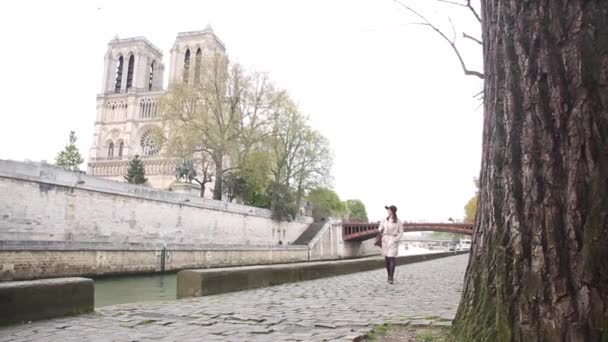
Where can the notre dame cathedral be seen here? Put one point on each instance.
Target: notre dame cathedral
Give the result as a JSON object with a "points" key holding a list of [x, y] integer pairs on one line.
{"points": [[127, 107]]}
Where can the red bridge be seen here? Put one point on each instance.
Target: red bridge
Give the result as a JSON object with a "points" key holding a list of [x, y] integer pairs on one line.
{"points": [[365, 231]]}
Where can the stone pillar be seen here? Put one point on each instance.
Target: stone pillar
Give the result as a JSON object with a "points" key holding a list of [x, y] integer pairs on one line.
{"points": [[145, 77], [136, 72], [107, 67], [142, 64], [173, 65], [125, 72], [111, 85], [160, 77]]}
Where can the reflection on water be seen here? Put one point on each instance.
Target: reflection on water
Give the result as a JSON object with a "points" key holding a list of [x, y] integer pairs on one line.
{"points": [[131, 289]]}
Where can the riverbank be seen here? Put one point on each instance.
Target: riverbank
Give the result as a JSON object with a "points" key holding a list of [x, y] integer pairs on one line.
{"points": [[123, 289], [335, 308]]}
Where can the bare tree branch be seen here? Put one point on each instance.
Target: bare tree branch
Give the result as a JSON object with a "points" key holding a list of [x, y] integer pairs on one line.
{"points": [[480, 104], [451, 42], [466, 36], [479, 96], [452, 3], [453, 30], [473, 11], [467, 5]]}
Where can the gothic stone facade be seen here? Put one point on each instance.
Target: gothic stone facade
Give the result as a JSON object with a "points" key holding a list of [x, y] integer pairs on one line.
{"points": [[127, 107]]}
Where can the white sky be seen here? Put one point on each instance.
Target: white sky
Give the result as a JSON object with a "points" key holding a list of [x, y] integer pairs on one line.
{"points": [[390, 96]]}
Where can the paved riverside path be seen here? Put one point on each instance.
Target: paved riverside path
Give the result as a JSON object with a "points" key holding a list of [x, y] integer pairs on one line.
{"points": [[330, 309]]}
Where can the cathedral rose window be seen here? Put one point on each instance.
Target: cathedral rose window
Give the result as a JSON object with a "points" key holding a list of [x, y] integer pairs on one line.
{"points": [[147, 145]]}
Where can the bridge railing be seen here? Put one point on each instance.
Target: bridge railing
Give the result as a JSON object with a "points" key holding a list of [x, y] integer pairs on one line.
{"points": [[354, 230], [361, 231]]}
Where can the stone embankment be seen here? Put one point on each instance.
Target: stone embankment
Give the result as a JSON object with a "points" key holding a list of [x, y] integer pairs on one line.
{"points": [[340, 308]]}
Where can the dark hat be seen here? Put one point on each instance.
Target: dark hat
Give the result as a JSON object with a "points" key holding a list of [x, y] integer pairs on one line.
{"points": [[392, 208]]}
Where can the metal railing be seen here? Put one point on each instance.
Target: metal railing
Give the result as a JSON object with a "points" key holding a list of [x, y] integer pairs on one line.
{"points": [[362, 231]]}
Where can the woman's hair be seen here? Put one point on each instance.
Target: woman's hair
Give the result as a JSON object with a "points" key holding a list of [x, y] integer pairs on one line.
{"points": [[393, 215]]}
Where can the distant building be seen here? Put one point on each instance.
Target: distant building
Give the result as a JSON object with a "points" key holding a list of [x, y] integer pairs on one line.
{"points": [[127, 107]]}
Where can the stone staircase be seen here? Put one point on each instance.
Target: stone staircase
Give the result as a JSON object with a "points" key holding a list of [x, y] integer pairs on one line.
{"points": [[306, 237]]}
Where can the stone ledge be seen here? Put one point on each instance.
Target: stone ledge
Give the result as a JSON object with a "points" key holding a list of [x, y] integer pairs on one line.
{"points": [[195, 283], [23, 301]]}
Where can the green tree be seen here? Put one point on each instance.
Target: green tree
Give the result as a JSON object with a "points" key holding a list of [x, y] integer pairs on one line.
{"points": [[252, 133], [301, 156], [325, 203], [204, 172], [313, 164], [235, 186], [70, 158], [255, 170], [222, 113], [282, 199], [355, 210], [136, 174], [470, 209]]}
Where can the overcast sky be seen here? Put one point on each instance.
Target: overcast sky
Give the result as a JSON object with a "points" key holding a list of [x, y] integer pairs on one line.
{"points": [[390, 96]]}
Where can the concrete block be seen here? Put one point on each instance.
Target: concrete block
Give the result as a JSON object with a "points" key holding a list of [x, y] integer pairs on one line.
{"points": [[23, 301], [195, 283]]}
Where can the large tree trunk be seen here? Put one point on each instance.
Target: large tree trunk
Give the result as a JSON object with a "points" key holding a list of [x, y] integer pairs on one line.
{"points": [[202, 191], [538, 270], [218, 160]]}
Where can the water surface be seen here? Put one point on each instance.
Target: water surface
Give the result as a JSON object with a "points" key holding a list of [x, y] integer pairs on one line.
{"points": [[132, 289]]}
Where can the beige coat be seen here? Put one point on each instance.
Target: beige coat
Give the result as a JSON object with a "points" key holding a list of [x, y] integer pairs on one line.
{"points": [[391, 234]]}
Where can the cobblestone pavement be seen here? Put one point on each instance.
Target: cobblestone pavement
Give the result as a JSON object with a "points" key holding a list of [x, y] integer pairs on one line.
{"points": [[331, 309]]}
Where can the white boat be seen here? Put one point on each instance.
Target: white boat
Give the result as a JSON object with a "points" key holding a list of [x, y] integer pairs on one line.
{"points": [[463, 245]]}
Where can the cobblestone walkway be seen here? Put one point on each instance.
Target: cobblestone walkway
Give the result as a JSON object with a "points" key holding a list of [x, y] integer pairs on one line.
{"points": [[332, 309]]}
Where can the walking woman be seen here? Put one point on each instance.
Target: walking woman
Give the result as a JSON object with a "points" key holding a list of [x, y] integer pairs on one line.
{"points": [[391, 230]]}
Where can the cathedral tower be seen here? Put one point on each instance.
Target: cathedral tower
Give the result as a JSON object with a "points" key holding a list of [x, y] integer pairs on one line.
{"points": [[127, 109], [128, 105], [189, 51]]}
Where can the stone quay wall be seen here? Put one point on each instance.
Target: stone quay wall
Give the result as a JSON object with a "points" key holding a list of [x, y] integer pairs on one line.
{"points": [[43, 203], [51, 260], [55, 223]]}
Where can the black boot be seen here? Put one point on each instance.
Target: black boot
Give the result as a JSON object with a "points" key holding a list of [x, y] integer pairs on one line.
{"points": [[391, 274], [387, 262]]}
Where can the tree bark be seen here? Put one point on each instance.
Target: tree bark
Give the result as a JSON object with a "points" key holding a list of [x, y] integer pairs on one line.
{"points": [[538, 269], [218, 160]]}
